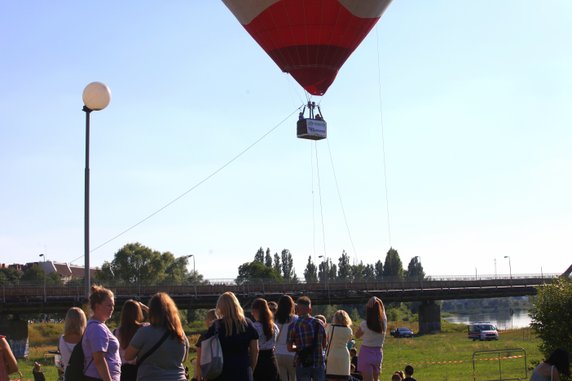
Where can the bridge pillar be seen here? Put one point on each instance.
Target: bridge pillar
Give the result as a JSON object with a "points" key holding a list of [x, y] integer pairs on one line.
{"points": [[16, 332], [429, 317]]}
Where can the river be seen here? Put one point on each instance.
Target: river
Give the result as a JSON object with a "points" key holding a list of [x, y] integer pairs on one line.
{"points": [[503, 320]]}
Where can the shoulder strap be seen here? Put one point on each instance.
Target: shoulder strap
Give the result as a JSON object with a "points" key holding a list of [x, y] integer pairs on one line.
{"points": [[330, 342], [551, 372], [150, 351]]}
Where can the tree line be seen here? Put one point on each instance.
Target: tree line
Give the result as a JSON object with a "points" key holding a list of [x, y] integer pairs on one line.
{"points": [[266, 266], [135, 264]]}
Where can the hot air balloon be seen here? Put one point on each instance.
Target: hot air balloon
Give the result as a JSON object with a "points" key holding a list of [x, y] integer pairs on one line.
{"points": [[309, 39]]}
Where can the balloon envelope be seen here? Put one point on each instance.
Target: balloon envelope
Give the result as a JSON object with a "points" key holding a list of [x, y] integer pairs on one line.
{"points": [[310, 39]]}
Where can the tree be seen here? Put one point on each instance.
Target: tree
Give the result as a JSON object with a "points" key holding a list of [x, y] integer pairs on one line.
{"points": [[10, 276], [378, 270], [392, 267], [311, 271], [259, 256], [277, 265], [327, 271], [255, 271], [287, 265], [363, 272], [344, 268], [415, 270], [268, 258], [551, 315], [175, 269], [138, 264]]}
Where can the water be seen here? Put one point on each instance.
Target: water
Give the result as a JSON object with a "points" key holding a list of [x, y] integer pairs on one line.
{"points": [[502, 319]]}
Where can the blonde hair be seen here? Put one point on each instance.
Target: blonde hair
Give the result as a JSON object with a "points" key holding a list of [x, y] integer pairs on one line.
{"points": [[211, 315], [231, 313], [75, 321], [341, 317], [163, 312], [98, 295]]}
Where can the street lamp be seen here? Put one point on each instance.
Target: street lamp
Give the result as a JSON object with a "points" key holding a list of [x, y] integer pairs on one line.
{"points": [[509, 266], [189, 256], [44, 268], [96, 96]]}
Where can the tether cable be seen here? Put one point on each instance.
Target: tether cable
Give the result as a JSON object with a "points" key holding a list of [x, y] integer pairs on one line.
{"points": [[201, 182], [383, 138], [341, 202]]}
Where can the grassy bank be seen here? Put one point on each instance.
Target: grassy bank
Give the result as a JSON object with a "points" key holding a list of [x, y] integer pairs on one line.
{"points": [[446, 356]]}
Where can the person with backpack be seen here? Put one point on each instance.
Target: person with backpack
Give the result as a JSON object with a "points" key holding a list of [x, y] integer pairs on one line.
{"points": [[307, 337], [74, 325], [100, 346], [162, 347]]}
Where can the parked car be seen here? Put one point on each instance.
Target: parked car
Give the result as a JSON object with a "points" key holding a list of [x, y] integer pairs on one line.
{"points": [[482, 331], [402, 332]]}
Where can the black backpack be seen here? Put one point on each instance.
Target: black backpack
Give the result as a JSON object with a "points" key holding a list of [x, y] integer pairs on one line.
{"points": [[74, 369]]}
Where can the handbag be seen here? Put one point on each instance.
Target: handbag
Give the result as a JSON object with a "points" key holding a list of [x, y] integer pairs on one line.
{"points": [[211, 356]]}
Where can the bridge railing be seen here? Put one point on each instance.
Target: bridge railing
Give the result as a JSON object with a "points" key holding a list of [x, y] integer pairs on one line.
{"points": [[26, 292]]}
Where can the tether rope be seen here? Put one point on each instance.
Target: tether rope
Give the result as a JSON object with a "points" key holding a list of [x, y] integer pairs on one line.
{"points": [[320, 198], [204, 180], [383, 138], [341, 202]]}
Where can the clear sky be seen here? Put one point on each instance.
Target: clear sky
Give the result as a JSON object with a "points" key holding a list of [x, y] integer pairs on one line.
{"points": [[475, 112]]}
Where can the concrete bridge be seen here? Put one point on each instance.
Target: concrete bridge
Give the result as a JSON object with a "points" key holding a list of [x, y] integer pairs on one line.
{"points": [[40, 299]]}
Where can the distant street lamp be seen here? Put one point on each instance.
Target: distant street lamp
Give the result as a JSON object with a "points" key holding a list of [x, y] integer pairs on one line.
{"points": [[509, 266], [189, 256], [96, 96], [44, 273]]}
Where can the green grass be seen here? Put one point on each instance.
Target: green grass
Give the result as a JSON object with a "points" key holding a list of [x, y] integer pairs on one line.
{"points": [[449, 356], [446, 356]]}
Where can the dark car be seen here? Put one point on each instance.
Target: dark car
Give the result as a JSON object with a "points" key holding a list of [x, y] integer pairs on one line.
{"points": [[402, 332]]}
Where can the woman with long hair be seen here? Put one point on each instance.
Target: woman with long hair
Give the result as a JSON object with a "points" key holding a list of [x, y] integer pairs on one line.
{"points": [[266, 367], [100, 346], [285, 317], [338, 360], [373, 331], [161, 348], [550, 369], [238, 339], [74, 325], [130, 321]]}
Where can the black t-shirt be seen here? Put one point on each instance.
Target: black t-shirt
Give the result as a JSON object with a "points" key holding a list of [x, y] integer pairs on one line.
{"points": [[235, 350]]}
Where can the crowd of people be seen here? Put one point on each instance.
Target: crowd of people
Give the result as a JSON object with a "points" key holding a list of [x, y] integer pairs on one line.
{"points": [[282, 342]]}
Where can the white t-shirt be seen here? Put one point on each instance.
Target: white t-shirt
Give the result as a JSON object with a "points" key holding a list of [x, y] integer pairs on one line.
{"points": [[264, 343], [65, 351], [371, 338]]}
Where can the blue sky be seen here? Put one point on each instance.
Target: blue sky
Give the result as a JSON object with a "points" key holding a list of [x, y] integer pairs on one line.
{"points": [[475, 111]]}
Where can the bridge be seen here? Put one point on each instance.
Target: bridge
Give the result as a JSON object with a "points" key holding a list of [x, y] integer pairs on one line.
{"points": [[35, 299]]}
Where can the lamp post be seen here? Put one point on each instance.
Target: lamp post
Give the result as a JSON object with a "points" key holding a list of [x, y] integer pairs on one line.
{"points": [[189, 256], [96, 96], [44, 268], [509, 267]]}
